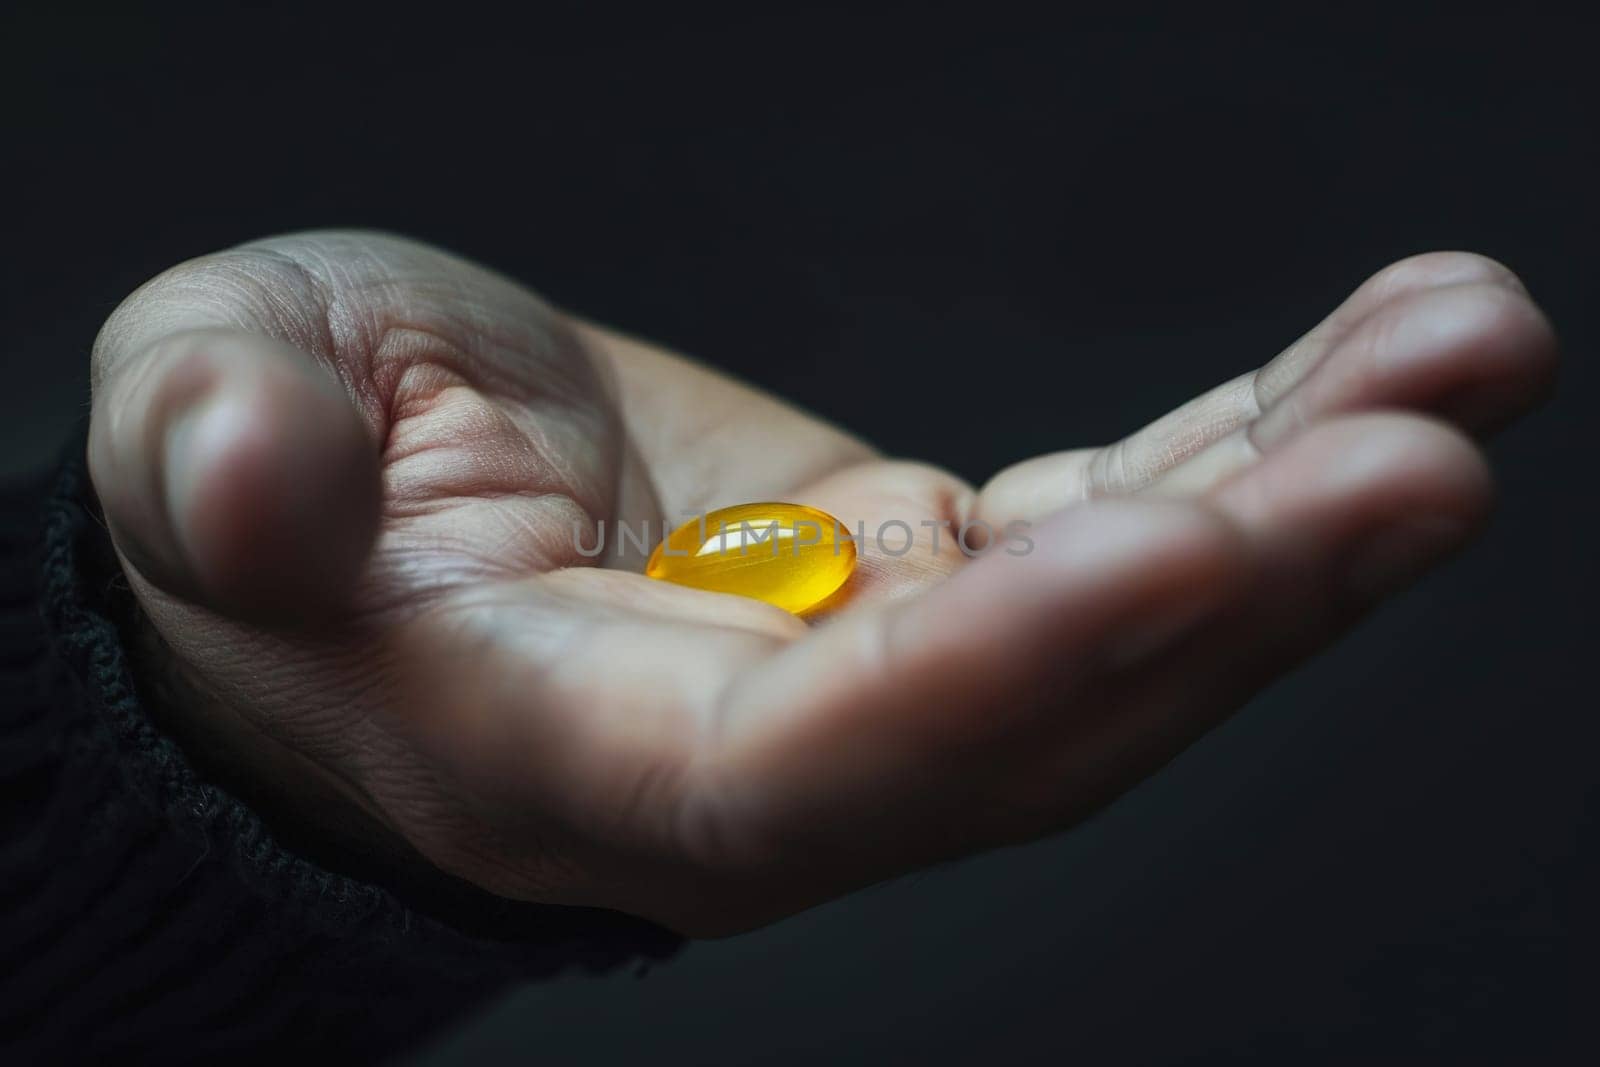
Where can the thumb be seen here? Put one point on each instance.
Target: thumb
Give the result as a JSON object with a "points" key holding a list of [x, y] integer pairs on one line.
{"points": [[235, 473]]}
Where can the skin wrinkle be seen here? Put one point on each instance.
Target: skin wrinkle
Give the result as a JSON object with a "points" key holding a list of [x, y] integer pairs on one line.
{"points": [[264, 285], [374, 315], [428, 563], [418, 461], [340, 766], [445, 416], [535, 419]]}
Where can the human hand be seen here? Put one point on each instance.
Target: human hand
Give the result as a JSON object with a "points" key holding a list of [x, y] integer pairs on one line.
{"points": [[347, 473]]}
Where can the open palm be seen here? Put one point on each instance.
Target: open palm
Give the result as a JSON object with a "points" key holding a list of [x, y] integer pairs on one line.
{"points": [[349, 476]]}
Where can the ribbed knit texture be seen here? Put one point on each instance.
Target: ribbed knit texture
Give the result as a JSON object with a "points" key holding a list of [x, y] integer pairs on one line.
{"points": [[145, 912]]}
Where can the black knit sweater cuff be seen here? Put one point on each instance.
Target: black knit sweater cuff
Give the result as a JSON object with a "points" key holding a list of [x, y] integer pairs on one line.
{"points": [[142, 902]]}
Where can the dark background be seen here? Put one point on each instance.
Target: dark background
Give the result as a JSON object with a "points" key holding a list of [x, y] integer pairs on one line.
{"points": [[971, 239]]}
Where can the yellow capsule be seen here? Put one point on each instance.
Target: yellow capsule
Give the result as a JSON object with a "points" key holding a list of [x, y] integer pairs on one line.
{"points": [[786, 554]]}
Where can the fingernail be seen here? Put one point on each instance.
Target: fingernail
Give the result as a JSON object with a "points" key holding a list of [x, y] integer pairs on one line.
{"points": [[1400, 552]]}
